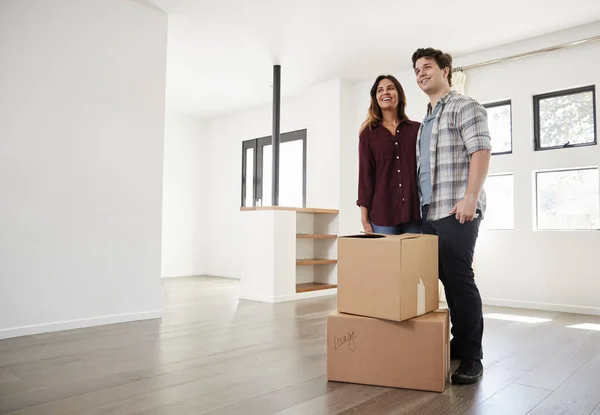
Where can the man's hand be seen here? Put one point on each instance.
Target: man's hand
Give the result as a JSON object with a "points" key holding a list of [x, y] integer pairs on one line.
{"points": [[464, 210], [367, 227]]}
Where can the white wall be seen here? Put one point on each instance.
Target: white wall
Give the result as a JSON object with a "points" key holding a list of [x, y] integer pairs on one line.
{"points": [[350, 115], [82, 124], [224, 175], [555, 270], [323, 143], [184, 196], [318, 111]]}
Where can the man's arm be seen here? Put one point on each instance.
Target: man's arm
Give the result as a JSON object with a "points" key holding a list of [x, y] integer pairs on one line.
{"points": [[475, 133], [478, 171]]}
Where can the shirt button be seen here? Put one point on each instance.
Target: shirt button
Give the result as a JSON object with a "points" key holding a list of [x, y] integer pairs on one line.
{"points": [[397, 157], [398, 171], [396, 143]]}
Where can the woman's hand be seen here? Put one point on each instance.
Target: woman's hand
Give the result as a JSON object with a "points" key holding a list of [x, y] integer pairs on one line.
{"points": [[364, 218]]}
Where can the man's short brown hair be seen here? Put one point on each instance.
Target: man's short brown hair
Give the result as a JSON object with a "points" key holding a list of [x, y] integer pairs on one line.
{"points": [[443, 60]]}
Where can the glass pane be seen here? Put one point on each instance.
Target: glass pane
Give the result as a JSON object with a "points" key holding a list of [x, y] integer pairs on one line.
{"points": [[290, 173], [568, 199], [249, 177], [500, 128], [267, 175], [500, 210], [567, 119]]}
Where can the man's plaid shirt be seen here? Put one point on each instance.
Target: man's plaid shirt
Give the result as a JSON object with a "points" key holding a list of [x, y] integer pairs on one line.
{"points": [[460, 128]]}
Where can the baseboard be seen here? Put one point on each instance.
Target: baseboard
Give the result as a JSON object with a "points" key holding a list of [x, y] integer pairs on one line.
{"points": [[166, 277], [202, 274], [291, 297], [78, 324], [305, 295], [230, 276], [563, 308], [257, 297]]}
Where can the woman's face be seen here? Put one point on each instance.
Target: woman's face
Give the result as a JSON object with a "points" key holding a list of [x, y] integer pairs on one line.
{"points": [[387, 95]]}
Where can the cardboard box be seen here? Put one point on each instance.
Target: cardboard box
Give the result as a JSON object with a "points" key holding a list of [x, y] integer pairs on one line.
{"points": [[412, 354], [393, 277]]}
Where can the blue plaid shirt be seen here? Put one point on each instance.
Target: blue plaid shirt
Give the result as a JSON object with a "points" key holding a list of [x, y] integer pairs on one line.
{"points": [[460, 129]]}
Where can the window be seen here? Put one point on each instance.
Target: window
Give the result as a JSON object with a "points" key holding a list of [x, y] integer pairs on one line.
{"points": [[257, 172], [568, 199], [248, 174], [565, 118], [500, 125], [500, 210]]}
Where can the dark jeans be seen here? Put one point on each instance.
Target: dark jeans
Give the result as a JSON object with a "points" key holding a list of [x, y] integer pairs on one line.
{"points": [[456, 249], [409, 227]]}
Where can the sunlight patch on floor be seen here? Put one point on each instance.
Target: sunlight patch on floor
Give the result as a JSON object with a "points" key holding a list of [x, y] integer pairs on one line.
{"points": [[520, 319], [586, 326]]}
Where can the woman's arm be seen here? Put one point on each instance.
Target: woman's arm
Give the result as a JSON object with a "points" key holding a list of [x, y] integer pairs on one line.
{"points": [[366, 181]]}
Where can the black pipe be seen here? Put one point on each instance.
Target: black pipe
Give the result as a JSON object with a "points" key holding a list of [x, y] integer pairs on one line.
{"points": [[276, 134]]}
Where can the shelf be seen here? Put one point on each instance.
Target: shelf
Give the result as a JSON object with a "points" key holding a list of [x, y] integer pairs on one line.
{"points": [[299, 210], [314, 236], [313, 286], [315, 261]]}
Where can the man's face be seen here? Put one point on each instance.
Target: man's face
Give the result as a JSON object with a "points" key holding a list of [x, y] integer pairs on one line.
{"points": [[430, 77]]}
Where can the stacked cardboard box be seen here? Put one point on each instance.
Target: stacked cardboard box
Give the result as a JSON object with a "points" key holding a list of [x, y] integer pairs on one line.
{"points": [[388, 329]]}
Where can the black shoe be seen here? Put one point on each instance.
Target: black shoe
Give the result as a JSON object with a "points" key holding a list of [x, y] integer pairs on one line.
{"points": [[469, 371]]}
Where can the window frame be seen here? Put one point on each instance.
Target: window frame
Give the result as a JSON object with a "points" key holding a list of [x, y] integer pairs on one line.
{"points": [[501, 104], [258, 144], [246, 145], [536, 224], [536, 116]]}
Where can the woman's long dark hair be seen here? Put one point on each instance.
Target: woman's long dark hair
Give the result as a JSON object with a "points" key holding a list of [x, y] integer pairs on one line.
{"points": [[374, 114]]}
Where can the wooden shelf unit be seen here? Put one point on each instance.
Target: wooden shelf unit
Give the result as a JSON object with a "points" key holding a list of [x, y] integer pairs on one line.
{"points": [[316, 249], [313, 286], [315, 261], [306, 236], [298, 210]]}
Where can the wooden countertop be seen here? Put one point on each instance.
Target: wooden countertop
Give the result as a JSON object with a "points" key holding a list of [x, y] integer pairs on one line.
{"points": [[295, 209]]}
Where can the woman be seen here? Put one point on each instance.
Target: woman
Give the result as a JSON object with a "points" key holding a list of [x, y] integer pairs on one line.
{"points": [[387, 183]]}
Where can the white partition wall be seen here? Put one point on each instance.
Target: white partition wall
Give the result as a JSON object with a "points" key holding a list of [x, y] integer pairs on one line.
{"points": [[82, 121], [288, 253]]}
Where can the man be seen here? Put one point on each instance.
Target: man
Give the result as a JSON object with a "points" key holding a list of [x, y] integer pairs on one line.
{"points": [[453, 154]]}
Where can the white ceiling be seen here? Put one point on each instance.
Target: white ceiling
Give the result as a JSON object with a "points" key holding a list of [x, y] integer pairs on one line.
{"points": [[221, 53]]}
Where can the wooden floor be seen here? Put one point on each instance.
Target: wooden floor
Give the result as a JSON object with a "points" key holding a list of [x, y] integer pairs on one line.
{"points": [[214, 354]]}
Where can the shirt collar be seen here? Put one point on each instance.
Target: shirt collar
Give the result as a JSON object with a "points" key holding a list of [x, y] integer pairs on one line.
{"points": [[445, 98], [380, 123]]}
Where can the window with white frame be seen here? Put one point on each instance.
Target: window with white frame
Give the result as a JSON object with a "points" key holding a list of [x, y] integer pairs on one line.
{"points": [[500, 210], [568, 199]]}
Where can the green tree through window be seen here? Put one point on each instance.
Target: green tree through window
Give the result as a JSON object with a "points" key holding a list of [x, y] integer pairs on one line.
{"points": [[568, 199], [566, 120]]}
